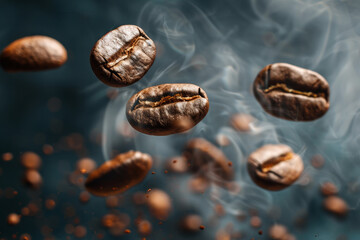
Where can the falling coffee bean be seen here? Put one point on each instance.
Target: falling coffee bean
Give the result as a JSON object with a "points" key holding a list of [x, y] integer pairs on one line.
{"points": [[159, 203], [163, 109], [122, 56], [119, 174], [33, 53], [207, 158], [274, 167], [336, 205], [292, 93]]}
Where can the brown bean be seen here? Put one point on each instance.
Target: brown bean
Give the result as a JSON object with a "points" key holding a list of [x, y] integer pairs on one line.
{"points": [[122, 56], [33, 53], [119, 174], [292, 93], [274, 167], [167, 109], [202, 155]]}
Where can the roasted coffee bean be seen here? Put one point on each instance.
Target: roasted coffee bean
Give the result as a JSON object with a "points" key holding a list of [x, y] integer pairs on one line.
{"points": [[159, 204], [336, 206], [163, 109], [33, 53], [207, 158], [328, 189], [119, 174], [241, 122], [274, 167], [122, 56], [290, 92], [191, 223]]}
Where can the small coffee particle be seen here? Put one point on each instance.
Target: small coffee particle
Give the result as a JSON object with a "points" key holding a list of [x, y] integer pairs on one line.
{"points": [[191, 223], [13, 219], [328, 188], [30, 160], [7, 156]]}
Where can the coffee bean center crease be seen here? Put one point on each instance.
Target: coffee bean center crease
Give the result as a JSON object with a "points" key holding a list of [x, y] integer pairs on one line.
{"points": [[268, 165], [284, 88], [124, 52], [165, 100]]}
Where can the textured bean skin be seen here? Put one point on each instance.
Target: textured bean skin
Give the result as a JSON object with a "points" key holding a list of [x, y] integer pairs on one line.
{"points": [[119, 174], [122, 56], [167, 109], [202, 154], [292, 93], [274, 167], [33, 53]]}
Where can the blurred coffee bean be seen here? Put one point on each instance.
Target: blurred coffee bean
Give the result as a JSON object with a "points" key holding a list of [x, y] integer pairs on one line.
{"points": [[241, 122], [84, 197], [25, 236], [222, 234], [13, 219], [317, 161], [30, 160], [222, 140], [80, 231], [328, 188], [191, 223], [177, 164], [112, 201], [7, 156], [33, 53], [122, 56], [139, 198], [48, 149], [198, 184], [292, 93], [277, 232], [159, 204], [86, 165], [32, 179], [163, 109], [336, 206], [204, 156], [119, 174], [255, 222], [274, 167], [144, 227]]}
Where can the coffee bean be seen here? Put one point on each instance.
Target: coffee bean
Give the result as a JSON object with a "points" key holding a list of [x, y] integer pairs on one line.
{"points": [[274, 167], [159, 204], [336, 206], [33, 53], [167, 109], [32, 179], [277, 232], [191, 223], [204, 157], [290, 92], [241, 122], [119, 174], [122, 56], [328, 189]]}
